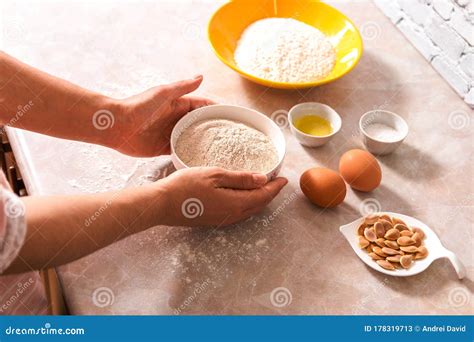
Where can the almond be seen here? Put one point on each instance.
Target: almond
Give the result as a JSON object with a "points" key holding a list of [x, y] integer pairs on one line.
{"points": [[418, 239], [419, 231], [375, 256], [405, 241], [390, 251], [392, 234], [400, 227], [391, 244], [385, 264], [360, 230], [379, 251], [363, 242], [369, 234], [406, 261], [379, 229], [396, 221], [393, 258], [371, 219], [409, 249], [396, 264], [386, 224], [422, 252]]}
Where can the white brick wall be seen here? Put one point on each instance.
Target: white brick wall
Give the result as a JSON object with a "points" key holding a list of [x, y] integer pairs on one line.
{"points": [[443, 32]]}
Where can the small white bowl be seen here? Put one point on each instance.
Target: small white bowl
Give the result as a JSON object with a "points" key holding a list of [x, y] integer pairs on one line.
{"points": [[245, 115], [316, 109], [379, 146], [435, 249]]}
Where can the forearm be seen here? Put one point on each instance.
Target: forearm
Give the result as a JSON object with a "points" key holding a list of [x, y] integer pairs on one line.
{"points": [[61, 229], [36, 101]]}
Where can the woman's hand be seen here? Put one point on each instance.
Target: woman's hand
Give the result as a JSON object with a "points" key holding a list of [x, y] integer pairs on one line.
{"points": [[140, 125], [193, 197], [214, 196], [147, 119]]}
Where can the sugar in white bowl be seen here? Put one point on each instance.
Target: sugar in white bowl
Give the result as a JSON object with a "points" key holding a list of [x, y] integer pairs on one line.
{"points": [[383, 131]]}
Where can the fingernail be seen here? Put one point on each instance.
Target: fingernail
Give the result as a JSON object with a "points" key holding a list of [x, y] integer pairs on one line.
{"points": [[197, 77], [259, 179]]}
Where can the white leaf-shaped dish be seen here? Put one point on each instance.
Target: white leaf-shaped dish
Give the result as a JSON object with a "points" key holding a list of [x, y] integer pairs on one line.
{"points": [[433, 244]]}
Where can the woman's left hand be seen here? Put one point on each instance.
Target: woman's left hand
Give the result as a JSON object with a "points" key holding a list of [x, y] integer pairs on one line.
{"points": [[140, 125], [147, 119]]}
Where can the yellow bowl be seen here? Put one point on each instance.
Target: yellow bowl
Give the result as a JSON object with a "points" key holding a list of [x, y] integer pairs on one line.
{"points": [[230, 20]]}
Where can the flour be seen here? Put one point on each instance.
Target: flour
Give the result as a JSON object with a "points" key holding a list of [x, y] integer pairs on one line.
{"points": [[227, 144], [284, 50]]}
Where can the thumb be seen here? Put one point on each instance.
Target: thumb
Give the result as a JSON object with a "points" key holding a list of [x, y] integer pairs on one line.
{"points": [[241, 180], [180, 88]]}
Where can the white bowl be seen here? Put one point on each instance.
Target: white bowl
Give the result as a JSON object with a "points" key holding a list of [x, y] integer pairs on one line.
{"points": [[316, 109], [245, 115], [435, 249], [378, 146]]}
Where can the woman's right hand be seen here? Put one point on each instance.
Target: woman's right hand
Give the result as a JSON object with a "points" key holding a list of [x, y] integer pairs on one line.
{"points": [[214, 196], [191, 197]]}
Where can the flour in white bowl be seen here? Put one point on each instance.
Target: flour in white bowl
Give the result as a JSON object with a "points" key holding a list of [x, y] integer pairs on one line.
{"points": [[228, 144], [285, 50]]}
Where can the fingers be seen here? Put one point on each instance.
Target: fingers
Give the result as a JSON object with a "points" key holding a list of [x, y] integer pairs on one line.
{"points": [[180, 88], [271, 189], [274, 187], [239, 180], [259, 198], [186, 104]]}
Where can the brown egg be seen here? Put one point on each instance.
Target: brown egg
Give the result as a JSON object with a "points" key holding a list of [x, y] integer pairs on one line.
{"points": [[323, 187], [360, 170]]}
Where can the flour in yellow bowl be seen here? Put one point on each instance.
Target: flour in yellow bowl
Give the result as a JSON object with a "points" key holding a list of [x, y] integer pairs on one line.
{"points": [[228, 23]]}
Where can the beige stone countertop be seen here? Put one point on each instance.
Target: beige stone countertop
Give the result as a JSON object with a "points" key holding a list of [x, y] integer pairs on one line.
{"points": [[120, 48]]}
